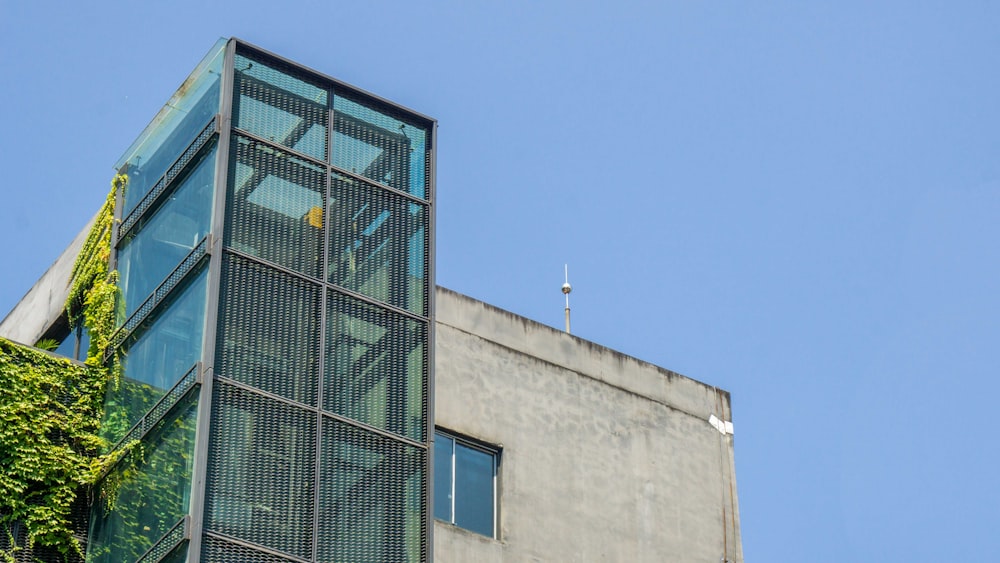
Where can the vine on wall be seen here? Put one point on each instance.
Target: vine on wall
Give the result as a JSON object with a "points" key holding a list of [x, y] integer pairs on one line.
{"points": [[51, 408]]}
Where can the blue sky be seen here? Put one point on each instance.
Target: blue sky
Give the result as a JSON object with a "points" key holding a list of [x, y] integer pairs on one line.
{"points": [[795, 202]]}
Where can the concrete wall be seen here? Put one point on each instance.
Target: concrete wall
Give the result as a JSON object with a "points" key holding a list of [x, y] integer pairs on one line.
{"points": [[44, 302], [605, 457]]}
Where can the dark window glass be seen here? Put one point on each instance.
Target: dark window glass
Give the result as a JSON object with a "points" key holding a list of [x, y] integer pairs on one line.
{"points": [[464, 484], [474, 472]]}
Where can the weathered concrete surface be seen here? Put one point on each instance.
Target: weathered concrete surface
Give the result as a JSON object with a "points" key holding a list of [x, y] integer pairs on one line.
{"points": [[605, 457], [44, 302]]}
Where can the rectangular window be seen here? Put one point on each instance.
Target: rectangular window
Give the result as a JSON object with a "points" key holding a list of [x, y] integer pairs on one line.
{"points": [[465, 483]]}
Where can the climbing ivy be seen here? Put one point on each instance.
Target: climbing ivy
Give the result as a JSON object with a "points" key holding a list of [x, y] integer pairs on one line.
{"points": [[49, 414], [51, 408], [93, 296]]}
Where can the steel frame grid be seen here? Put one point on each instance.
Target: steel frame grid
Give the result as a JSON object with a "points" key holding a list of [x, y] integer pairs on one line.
{"points": [[222, 175], [224, 128]]}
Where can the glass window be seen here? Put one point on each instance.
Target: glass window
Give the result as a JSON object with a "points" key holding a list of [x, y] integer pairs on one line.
{"points": [[75, 343], [163, 349], [148, 492], [379, 146], [180, 121], [160, 242], [465, 483]]}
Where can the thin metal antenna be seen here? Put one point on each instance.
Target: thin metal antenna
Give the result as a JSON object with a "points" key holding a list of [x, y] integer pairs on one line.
{"points": [[566, 288]]}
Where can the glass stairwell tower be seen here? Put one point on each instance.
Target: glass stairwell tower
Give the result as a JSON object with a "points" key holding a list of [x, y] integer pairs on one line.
{"points": [[274, 246]]}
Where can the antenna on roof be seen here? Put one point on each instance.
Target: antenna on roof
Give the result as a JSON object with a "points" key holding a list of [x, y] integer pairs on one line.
{"points": [[566, 288]]}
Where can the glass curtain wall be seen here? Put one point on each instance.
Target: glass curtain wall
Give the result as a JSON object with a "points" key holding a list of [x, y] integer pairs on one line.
{"points": [[316, 447], [320, 405], [164, 216]]}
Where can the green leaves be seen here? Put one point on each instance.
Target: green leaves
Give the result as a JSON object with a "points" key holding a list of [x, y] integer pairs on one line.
{"points": [[50, 408], [48, 441]]}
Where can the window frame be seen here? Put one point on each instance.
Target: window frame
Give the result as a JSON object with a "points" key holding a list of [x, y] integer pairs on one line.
{"points": [[494, 451]]}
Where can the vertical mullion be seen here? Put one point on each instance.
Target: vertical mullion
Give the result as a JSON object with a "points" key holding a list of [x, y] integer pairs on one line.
{"points": [[199, 477], [493, 498], [324, 298], [454, 465]]}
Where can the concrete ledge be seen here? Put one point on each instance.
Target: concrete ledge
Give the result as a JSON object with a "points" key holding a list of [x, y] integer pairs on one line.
{"points": [[44, 302], [598, 362]]}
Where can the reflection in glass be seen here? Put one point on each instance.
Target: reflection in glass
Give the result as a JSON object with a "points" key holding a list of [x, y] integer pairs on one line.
{"points": [[473, 489], [464, 484], [166, 346], [148, 491], [158, 245], [377, 244]]}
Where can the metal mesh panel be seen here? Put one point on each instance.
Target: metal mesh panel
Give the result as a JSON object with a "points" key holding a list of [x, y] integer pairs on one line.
{"points": [[274, 105], [178, 555], [269, 330], [371, 498], [378, 243], [217, 550], [261, 471], [379, 145], [166, 544], [166, 403], [275, 207], [376, 366]]}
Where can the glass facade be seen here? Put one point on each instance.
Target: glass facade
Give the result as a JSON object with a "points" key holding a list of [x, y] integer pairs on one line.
{"points": [[151, 157], [275, 311], [148, 492], [161, 240]]}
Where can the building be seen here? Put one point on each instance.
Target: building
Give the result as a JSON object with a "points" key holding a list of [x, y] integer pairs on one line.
{"points": [[286, 354]]}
